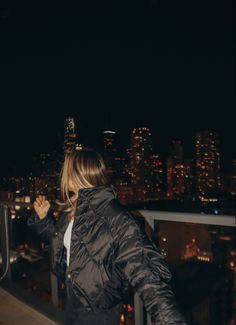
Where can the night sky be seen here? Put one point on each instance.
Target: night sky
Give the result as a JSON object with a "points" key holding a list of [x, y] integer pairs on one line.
{"points": [[167, 65]]}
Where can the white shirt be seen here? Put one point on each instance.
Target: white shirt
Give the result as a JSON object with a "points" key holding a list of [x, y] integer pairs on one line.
{"points": [[67, 239]]}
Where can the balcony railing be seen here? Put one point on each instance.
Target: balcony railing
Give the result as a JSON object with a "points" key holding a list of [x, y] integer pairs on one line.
{"points": [[27, 268], [157, 218]]}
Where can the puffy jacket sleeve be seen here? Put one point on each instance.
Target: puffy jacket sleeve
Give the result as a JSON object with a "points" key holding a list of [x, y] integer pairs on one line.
{"points": [[139, 260], [42, 227]]}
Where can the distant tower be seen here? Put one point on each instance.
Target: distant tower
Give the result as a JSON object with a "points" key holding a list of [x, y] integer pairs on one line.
{"points": [[110, 152], [174, 169], [207, 162], [70, 136], [141, 164], [158, 177], [179, 172]]}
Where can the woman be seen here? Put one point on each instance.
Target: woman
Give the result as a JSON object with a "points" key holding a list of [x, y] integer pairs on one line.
{"points": [[100, 250]]}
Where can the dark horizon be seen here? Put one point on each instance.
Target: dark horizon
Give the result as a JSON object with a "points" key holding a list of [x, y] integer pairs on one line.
{"points": [[168, 66]]}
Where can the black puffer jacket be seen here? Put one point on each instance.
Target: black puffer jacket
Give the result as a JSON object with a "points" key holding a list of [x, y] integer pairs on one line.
{"points": [[109, 253]]}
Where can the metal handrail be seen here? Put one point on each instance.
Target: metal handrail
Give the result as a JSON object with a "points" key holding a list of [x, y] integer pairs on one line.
{"points": [[197, 218]]}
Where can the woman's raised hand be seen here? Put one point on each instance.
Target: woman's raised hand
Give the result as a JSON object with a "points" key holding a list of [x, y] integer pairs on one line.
{"points": [[41, 206]]}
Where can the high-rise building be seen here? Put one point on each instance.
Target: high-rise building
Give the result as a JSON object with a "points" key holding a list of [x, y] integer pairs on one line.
{"points": [[123, 182], [119, 170], [179, 173], [127, 166], [141, 166], [174, 170], [189, 177], [158, 189], [110, 152], [70, 135], [228, 180], [207, 163]]}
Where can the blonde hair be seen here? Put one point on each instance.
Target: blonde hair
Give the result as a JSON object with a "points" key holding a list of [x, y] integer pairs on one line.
{"points": [[85, 168]]}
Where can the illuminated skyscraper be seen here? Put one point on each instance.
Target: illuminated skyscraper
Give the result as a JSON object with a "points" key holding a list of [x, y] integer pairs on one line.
{"points": [[179, 173], [189, 177], [123, 181], [110, 152], [228, 181], [207, 163], [174, 169], [141, 165], [158, 189], [70, 135], [127, 165]]}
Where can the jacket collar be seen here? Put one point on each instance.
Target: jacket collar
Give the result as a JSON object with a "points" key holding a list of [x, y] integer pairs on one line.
{"points": [[97, 197]]}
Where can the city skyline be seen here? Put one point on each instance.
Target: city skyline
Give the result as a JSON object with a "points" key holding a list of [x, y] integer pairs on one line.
{"points": [[140, 174], [161, 145]]}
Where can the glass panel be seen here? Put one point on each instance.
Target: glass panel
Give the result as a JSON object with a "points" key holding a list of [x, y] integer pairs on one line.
{"points": [[29, 255], [202, 259]]}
